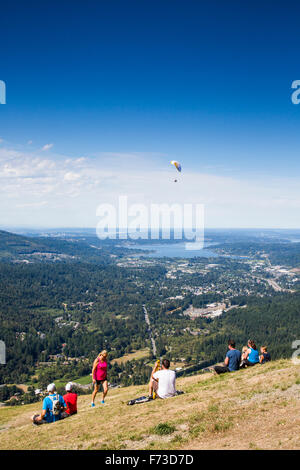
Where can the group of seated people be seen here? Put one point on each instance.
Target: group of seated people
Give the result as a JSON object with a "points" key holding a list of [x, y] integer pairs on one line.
{"points": [[162, 382], [236, 360], [55, 406]]}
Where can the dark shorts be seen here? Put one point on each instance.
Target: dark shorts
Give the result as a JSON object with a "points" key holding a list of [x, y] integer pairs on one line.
{"points": [[221, 369], [99, 382]]}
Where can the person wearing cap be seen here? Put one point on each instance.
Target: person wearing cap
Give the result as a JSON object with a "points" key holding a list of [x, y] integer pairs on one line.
{"points": [[71, 400], [48, 415]]}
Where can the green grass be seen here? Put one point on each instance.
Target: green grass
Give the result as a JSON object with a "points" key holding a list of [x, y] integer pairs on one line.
{"points": [[54, 312], [163, 429], [84, 380]]}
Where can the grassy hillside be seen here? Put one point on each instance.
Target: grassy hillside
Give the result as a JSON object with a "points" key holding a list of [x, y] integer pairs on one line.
{"points": [[256, 408]]}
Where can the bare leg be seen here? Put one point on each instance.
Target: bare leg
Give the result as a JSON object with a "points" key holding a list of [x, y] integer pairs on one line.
{"points": [[153, 386], [150, 388], [96, 390], [105, 389]]}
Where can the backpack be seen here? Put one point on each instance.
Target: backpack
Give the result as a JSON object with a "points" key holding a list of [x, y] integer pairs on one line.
{"points": [[56, 405]]}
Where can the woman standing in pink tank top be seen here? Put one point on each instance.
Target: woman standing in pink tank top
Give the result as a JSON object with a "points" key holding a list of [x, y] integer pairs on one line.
{"points": [[99, 374]]}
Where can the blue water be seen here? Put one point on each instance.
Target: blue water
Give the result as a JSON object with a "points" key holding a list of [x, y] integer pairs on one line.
{"points": [[173, 250]]}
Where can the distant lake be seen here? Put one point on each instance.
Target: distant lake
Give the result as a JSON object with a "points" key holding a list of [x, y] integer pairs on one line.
{"points": [[173, 250]]}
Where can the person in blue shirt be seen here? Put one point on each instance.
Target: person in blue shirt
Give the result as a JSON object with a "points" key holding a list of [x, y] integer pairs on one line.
{"points": [[54, 407], [232, 359], [251, 355]]}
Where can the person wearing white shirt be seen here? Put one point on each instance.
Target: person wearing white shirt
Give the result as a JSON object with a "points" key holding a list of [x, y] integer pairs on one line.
{"points": [[165, 379]]}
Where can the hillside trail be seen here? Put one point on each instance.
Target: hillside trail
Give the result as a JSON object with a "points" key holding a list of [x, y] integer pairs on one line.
{"points": [[147, 320]]}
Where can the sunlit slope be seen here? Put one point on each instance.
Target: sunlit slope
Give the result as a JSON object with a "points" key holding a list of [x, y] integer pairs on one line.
{"points": [[256, 408]]}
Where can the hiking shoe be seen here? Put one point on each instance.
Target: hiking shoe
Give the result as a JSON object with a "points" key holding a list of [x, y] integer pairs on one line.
{"points": [[93, 405]]}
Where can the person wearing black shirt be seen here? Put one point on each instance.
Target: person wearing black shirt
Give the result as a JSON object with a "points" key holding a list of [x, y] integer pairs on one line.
{"points": [[265, 356]]}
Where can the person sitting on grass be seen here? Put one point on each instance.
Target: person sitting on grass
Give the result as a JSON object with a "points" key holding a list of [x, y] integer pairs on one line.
{"points": [[232, 360], [154, 384], [265, 356], [251, 355], [244, 355], [164, 381], [71, 400], [54, 407]]}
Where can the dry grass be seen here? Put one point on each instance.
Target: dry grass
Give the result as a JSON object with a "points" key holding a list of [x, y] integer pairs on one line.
{"points": [[257, 408]]}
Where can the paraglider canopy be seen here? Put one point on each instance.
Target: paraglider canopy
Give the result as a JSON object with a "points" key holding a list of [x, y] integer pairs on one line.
{"points": [[176, 164]]}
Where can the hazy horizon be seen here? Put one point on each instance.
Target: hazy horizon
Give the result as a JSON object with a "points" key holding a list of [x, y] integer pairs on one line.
{"points": [[39, 228]]}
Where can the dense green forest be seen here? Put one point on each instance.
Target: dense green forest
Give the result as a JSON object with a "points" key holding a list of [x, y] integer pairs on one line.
{"points": [[56, 314], [274, 322], [34, 323], [286, 253]]}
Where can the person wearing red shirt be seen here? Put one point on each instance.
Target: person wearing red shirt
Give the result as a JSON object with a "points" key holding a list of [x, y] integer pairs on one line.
{"points": [[71, 400]]}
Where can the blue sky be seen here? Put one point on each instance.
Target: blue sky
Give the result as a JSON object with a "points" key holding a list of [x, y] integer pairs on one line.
{"points": [[117, 89]]}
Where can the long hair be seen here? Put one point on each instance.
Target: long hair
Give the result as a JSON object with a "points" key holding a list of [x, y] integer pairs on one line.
{"points": [[103, 353], [252, 344]]}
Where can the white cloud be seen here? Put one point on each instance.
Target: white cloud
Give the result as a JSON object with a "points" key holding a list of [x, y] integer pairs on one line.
{"points": [[33, 204], [70, 176], [47, 147], [74, 187]]}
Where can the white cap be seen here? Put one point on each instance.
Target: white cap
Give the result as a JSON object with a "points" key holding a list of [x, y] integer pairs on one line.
{"points": [[69, 386], [51, 388]]}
